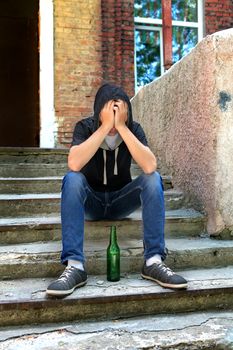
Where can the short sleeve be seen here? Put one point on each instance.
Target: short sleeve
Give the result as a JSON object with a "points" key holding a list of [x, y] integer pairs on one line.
{"points": [[79, 134], [139, 133]]}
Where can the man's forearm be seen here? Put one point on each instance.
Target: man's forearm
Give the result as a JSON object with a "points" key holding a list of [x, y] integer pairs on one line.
{"points": [[142, 155], [80, 155]]}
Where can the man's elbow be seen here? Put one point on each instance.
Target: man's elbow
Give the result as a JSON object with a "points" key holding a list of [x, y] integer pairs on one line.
{"points": [[148, 171], [150, 168], [73, 165]]}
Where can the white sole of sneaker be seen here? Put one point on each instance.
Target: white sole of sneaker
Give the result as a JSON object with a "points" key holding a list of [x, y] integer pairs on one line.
{"points": [[166, 285], [64, 292]]}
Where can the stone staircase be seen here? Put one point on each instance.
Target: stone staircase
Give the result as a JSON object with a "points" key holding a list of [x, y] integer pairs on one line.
{"points": [[30, 246]]}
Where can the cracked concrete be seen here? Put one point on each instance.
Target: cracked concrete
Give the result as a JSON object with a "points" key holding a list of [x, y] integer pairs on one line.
{"points": [[186, 331]]}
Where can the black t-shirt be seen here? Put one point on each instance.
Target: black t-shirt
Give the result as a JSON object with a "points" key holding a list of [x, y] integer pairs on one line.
{"points": [[94, 169]]}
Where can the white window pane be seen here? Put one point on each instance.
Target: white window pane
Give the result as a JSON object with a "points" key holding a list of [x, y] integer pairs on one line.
{"points": [[147, 56], [185, 10], [183, 40]]}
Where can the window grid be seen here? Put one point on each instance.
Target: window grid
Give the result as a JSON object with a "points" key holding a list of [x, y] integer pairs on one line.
{"points": [[152, 24]]}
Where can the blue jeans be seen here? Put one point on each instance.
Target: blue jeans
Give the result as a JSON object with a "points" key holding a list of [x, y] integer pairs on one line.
{"points": [[80, 202]]}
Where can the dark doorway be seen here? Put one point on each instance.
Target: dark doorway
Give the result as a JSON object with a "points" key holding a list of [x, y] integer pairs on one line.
{"points": [[19, 73]]}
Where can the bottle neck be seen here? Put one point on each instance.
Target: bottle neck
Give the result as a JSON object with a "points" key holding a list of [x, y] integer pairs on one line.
{"points": [[113, 235]]}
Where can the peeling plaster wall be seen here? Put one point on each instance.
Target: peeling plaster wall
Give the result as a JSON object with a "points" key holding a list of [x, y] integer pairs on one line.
{"points": [[187, 115]]}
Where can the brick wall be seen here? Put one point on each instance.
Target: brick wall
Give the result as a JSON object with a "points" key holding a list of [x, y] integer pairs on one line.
{"points": [[94, 42], [78, 69], [118, 43], [218, 15]]}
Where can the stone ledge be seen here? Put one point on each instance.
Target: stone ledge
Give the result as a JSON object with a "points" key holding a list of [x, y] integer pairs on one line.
{"points": [[187, 115]]}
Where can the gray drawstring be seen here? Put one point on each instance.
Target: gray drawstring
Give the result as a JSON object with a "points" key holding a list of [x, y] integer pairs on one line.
{"points": [[115, 165], [105, 167], [105, 171]]}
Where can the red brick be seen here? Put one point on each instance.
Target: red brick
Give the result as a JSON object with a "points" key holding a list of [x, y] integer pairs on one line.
{"points": [[218, 10]]}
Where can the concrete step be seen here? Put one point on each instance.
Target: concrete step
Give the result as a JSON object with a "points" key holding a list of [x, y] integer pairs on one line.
{"points": [[46, 203], [17, 162], [24, 301], [43, 259], [11, 156], [18, 170], [28, 170], [193, 331], [46, 184], [26, 185], [16, 155], [179, 223]]}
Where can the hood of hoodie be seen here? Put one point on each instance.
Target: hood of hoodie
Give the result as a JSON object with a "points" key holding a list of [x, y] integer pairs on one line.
{"points": [[106, 93]]}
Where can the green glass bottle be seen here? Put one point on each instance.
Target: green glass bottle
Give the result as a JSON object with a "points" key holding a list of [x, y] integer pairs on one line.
{"points": [[113, 257]]}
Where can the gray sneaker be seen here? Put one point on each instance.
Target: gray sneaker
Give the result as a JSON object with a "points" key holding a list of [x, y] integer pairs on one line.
{"points": [[70, 279], [164, 276]]}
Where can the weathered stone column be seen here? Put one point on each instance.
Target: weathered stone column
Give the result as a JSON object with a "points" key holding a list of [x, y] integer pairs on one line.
{"points": [[188, 117]]}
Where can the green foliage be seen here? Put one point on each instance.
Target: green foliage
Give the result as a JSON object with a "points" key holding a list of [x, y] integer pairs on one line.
{"points": [[148, 8], [147, 56], [184, 10], [183, 40]]}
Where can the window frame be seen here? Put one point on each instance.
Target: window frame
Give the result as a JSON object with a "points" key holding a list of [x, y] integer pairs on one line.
{"points": [[146, 23]]}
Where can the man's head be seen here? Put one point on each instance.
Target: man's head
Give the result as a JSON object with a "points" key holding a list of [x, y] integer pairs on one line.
{"points": [[117, 110], [110, 92]]}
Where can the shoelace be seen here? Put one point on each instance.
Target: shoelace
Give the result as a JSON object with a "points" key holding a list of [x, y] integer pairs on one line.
{"points": [[66, 274], [166, 269]]}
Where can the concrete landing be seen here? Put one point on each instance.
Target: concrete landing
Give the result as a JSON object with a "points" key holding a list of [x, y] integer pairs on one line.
{"points": [[194, 331]]}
